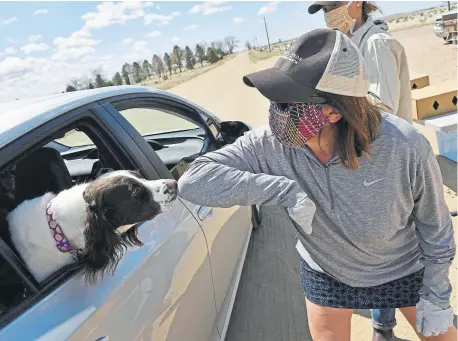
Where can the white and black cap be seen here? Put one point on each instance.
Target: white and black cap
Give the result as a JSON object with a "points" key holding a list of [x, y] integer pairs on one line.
{"points": [[322, 60]]}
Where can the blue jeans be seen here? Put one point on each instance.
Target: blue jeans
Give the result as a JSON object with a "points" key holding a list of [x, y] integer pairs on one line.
{"points": [[384, 319]]}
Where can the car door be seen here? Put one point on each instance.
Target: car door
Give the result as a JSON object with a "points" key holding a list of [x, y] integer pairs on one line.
{"points": [[161, 291], [227, 230]]}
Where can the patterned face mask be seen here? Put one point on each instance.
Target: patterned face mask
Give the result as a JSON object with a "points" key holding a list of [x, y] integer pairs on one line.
{"points": [[294, 124], [340, 19]]}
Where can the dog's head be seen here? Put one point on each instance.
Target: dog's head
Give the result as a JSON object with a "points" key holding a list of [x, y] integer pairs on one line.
{"points": [[117, 203]]}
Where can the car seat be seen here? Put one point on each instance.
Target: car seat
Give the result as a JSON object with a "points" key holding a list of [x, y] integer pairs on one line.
{"points": [[42, 171]]}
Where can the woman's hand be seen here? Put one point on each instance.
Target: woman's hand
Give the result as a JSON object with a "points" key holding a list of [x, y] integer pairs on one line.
{"points": [[302, 213], [432, 320]]}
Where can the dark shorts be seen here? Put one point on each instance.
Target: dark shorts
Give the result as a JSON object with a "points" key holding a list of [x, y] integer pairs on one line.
{"points": [[325, 291]]}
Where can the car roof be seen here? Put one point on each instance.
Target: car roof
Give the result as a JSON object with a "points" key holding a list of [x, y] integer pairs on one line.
{"points": [[18, 117]]}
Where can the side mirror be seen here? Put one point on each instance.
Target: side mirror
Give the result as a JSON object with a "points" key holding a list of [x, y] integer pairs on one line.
{"points": [[232, 130]]}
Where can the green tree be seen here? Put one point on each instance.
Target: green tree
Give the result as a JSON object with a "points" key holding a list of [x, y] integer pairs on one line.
{"points": [[147, 68], [99, 81], [200, 54], [70, 88], [212, 56], [248, 45], [158, 65], [137, 71], [219, 48], [177, 56], [126, 70], [189, 56], [90, 86], [117, 79], [168, 62]]}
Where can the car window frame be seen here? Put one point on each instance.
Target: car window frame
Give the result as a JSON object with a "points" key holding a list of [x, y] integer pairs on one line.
{"points": [[102, 125], [158, 101]]}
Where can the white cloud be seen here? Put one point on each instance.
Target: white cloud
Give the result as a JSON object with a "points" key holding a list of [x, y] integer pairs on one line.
{"points": [[209, 7], [175, 39], [9, 20], [41, 11], [10, 50], [154, 34], [163, 19], [110, 13], [140, 51], [270, 7], [158, 7], [77, 45], [32, 47], [34, 37], [150, 17], [11, 40], [237, 20], [127, 41], [14, 67], [191, 27]]}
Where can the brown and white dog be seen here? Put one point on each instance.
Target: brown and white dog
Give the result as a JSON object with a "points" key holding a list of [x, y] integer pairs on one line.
{"points": [[93, 223]]}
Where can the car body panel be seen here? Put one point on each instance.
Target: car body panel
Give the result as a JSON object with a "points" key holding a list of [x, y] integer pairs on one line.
{"points": [[155, 285], [439, 27], [226, 235]]}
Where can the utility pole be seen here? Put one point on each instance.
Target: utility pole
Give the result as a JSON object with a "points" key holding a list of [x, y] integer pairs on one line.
{"points": [[448, 4], [267, 33]]}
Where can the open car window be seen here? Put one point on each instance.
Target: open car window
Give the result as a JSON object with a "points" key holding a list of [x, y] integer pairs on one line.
{"points": [[150, 121]]}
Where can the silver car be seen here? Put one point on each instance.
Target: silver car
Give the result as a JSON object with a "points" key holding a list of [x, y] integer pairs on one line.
{"points": [[182, 283]]}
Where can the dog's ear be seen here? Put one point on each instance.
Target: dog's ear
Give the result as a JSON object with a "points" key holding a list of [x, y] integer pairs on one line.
{"points": [[104, 248], [130, 237]]}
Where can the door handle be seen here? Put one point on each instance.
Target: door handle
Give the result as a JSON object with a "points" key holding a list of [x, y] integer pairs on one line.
{"points": [[204, 212], [103, 338]]}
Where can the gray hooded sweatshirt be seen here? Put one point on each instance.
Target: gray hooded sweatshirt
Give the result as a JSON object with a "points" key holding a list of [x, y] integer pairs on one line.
{"points": [[378, 223]]}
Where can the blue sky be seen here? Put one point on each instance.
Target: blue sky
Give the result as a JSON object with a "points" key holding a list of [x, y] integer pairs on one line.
{"points": [[45, 44]]}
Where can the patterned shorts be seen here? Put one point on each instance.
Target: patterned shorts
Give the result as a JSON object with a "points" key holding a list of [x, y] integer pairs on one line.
{"points": [[325, 291]]}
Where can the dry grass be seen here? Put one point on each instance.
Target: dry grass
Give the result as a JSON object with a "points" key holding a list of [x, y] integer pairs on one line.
{"points": [[178, 78], [416, 19], [257, 56]]}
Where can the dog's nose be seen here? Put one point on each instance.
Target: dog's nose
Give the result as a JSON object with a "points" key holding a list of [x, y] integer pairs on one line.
{"points": [[171, 185]]}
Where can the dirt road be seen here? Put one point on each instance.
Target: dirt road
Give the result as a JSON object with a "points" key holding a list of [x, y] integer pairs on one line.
{"points": [[270, 302]]}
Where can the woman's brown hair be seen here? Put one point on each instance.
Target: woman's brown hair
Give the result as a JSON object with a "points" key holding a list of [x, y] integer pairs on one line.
{"points": [[367, 8], [359, 126]]}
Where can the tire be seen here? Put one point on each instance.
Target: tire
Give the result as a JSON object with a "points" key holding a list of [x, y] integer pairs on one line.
{"points": [[256, 217]]}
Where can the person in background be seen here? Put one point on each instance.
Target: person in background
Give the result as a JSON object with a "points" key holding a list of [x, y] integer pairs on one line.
{"points": [[386, 61], [389, 85], [363, 187]]}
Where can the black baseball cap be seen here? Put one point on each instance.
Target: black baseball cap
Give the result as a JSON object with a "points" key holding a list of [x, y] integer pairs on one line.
{"points": [[322, 60], [318, 5]]}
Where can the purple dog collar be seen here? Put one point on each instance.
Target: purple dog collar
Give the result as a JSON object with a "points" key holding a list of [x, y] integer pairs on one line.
{"points": [[62, 243]]}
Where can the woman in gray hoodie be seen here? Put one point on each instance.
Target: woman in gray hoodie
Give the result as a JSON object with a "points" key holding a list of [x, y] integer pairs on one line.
{"points": [[363, 188]]}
